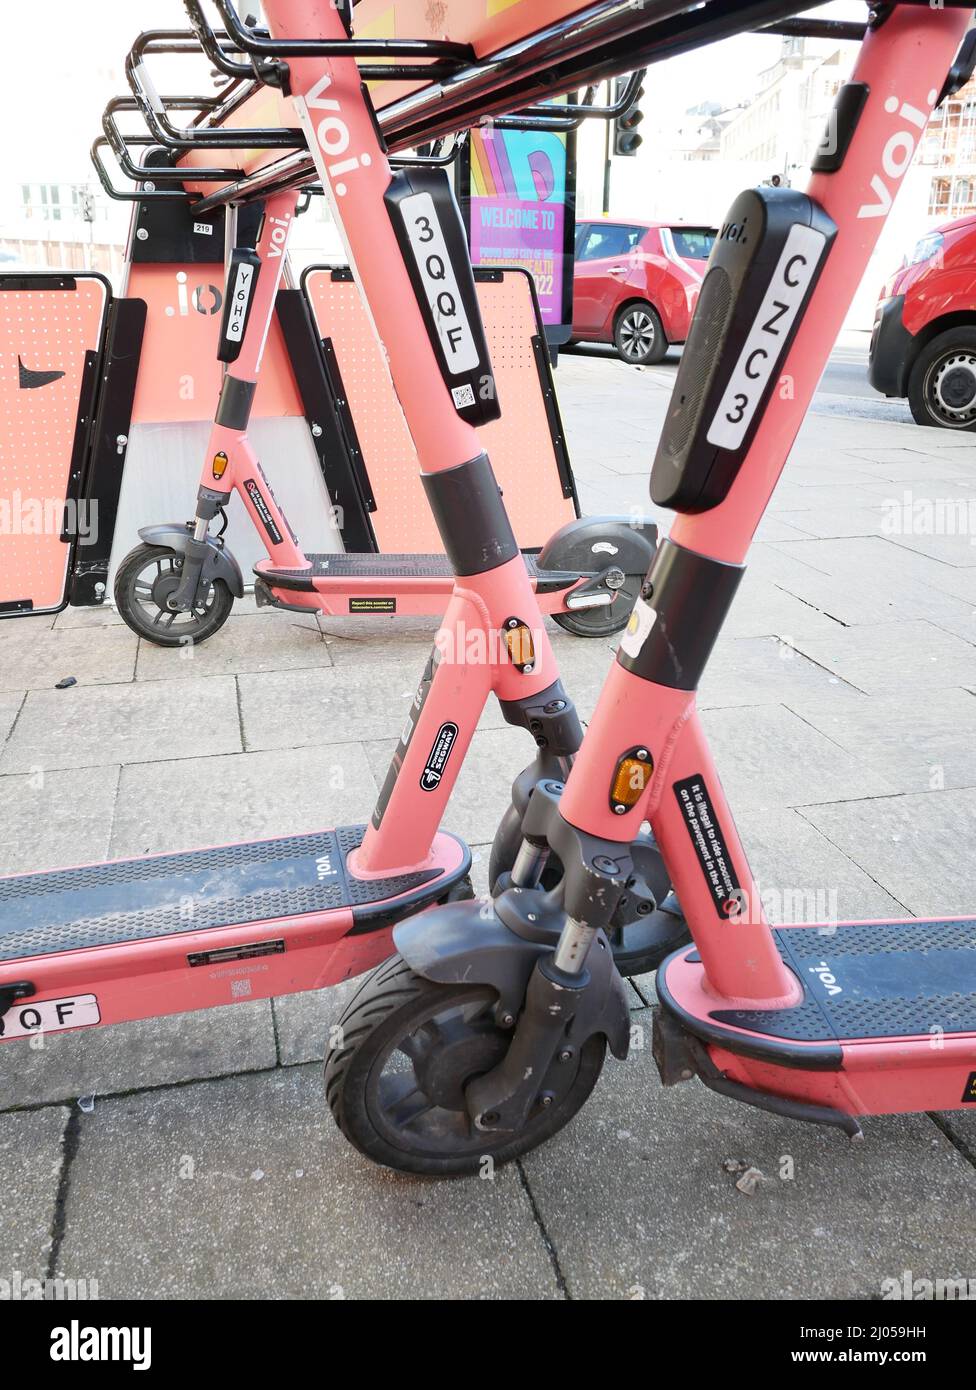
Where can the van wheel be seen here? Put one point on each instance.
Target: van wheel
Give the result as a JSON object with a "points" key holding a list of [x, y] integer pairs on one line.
{"points": [[638, 336], [942, 383]]}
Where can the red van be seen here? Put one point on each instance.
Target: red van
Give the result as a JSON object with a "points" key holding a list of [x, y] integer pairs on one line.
{"points": [[924, 340], [636, 284]]}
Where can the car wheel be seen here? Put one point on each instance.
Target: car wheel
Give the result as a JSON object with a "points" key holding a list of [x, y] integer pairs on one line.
{"points": [[639, 337], [942, 382]]}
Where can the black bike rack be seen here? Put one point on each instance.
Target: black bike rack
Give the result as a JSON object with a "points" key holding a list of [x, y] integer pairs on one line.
{"points": [[512, 87], [249, 57]]}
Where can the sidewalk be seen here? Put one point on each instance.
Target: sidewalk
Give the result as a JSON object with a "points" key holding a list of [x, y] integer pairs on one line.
{"points": [[840, 705]]}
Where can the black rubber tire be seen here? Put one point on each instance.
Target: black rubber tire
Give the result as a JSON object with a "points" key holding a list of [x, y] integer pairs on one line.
{"points": [[378, 1017], [956, 342], [645, 320], [192, 630]]}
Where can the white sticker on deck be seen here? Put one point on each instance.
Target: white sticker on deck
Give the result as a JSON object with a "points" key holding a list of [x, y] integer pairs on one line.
{"points": [[49, 1016], [764, 346], [439, 281]]}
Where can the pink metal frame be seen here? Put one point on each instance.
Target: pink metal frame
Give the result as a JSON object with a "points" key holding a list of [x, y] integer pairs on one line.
{"points": [[355, 171]]}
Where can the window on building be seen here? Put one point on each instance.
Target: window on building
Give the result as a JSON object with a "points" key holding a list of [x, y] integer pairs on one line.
{"points": [[48, 202], [939, 193]]}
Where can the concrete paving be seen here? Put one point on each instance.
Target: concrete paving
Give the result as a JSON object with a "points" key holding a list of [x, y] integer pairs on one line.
{"points": [[202, 1161]]}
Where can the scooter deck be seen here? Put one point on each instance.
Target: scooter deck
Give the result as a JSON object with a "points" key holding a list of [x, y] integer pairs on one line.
{"points": [[862, 981], [887, 1024], [170, 933], [143, 899], [425, 570]]}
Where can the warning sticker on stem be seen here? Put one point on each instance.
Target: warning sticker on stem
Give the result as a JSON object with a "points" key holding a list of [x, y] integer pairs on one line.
{"points": [[709, 844]]}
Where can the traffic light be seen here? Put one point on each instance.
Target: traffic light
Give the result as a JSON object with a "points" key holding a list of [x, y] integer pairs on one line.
{"points": [[626, 140]]}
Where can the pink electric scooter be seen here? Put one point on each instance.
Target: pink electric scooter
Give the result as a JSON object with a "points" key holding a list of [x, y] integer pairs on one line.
{"points": [[179, 585], [130, 939], [482, 1038]]}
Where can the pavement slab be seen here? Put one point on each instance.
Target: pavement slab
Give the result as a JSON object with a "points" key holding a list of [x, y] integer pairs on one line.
{"points": [[918, 847], [52, 819], [764, 609], [302, 1021], [915, 656], [36, 659], [251, 642], [149, 1052], [10, 706], [764, 670], [914, 745], [245, 1188], [287, 709], [134, 723], [31, 1158], [241, 796], [803, 877], [643, 1167], [769, 756]]}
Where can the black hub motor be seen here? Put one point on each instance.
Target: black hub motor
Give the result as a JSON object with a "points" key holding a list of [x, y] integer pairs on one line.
{"points": [[648, 924]]}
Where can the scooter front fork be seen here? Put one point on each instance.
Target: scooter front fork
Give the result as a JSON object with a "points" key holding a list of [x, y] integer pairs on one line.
{"points": [[574, 990], [504, 1097], [192, 587]]}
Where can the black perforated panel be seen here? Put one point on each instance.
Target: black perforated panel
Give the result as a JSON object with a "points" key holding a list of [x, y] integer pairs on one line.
{"points": [[378, 566]]}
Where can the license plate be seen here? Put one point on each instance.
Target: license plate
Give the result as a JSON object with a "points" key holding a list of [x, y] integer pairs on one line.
{"points": [[49, 1016], [440, 283]]}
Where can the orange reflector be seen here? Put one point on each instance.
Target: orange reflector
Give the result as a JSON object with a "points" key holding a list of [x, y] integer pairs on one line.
{"points": [[520, 646], [630, 781], [219, 464]]}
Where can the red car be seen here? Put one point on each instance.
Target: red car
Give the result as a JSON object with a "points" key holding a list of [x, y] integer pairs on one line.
{"points": [[924, 340], [636, 284]]}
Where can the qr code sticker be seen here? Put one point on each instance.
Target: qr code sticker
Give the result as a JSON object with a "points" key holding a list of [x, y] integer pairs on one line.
{"points": [[463, 395], [239, 989]]}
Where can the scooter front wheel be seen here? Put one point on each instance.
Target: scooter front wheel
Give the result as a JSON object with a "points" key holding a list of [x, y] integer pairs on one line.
{"points": [[145, 579], [407, 1048]]}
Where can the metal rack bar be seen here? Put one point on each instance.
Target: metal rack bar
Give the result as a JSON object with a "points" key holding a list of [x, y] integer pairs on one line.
{"points": [[449, 57], [153, 107]]}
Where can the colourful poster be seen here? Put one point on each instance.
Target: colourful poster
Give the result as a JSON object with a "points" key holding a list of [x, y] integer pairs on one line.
{"points": [[518, 208]]}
